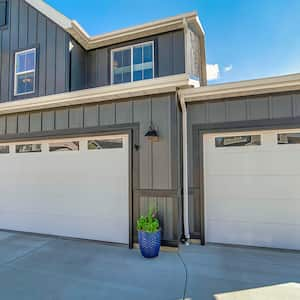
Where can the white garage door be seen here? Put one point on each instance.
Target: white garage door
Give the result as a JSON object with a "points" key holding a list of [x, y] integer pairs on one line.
{"points": [[74, 187], [252, 188]]}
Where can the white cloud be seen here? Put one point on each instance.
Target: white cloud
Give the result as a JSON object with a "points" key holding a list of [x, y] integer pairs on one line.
{"points": [[213, 72], [228, 68]]}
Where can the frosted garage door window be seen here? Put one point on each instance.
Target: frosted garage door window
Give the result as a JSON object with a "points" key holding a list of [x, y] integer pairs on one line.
{"points": [[105, 144], [288, 138], [64, 146], [4, 149], [29, 148], [238, 141]]}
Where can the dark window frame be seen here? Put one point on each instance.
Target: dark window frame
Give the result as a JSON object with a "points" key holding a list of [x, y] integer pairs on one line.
{"points": [[5, 25]]}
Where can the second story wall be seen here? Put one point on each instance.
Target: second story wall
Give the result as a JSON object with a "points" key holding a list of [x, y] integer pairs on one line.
{"points": [[27, 28], [169, 58]]}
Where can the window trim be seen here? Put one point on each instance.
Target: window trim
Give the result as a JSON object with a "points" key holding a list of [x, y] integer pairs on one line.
{"points": [[16, 74], [131, 60], [4, 26]]}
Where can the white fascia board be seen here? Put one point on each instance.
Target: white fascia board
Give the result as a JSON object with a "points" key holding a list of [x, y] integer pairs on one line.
{"points": [[51, 13], [101, 94], [131, 33], [243, 88]]}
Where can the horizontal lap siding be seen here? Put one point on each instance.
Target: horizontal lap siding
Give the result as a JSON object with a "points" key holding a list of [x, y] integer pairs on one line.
{"points": [[276, 106], [158, 162], [28, 28]]}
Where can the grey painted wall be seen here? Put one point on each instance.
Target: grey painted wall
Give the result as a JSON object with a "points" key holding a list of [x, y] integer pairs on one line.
{"points": [[270, 107], [78, 69], [28, 28], [157, 184], [169, 58]]}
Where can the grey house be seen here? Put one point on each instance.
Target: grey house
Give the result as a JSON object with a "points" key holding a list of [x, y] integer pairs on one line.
{"points": [[76, 159]]}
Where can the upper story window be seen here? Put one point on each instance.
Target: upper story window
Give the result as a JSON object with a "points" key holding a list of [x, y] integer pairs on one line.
{"points": [[3, 13], [133, 63], [25, 68]]}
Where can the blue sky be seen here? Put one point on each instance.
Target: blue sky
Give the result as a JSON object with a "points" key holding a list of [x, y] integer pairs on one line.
{"points": [[245, 39]]}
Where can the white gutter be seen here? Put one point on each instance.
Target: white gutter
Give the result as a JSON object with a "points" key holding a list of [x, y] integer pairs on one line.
{"points": [[185, 169]]}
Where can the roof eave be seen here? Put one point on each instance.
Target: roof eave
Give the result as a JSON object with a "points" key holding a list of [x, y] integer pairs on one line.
{"points": [[109, 93]]}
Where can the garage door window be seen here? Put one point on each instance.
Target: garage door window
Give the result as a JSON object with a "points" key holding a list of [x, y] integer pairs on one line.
{"points": [[28, 148], [4, 149], [64, 146], [105, 144], [288, 138], [237, 141]]}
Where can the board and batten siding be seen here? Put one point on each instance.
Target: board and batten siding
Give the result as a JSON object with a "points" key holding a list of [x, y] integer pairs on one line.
{"points": [[157, 184], [169, 58], [27, 28], [254, 108]]}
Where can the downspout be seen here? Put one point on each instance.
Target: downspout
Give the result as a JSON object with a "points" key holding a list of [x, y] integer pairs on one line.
{"points": [[186, 225], [185, 169]]}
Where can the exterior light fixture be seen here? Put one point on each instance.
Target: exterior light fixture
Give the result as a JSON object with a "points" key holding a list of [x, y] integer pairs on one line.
{"points": [[152, 134]]}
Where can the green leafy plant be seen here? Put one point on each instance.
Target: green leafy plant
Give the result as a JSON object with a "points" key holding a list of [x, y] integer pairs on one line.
{"points": [[148, 223]]}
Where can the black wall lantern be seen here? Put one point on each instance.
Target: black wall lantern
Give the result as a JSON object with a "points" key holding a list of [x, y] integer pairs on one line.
{"points": [[152, 134]]}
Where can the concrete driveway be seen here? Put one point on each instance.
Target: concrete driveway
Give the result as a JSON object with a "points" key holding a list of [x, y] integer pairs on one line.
{"points": [[37, 267]]}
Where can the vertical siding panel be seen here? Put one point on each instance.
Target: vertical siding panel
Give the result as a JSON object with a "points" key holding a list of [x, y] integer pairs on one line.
{"points": [[296, 99], [42, 41], [23, 123], [258, 108], [91, 116], [5, 63], [48, 120], [14, 43], [62, 119], [165, 54], [11, 124], [236, 110], [107, 114], [124, 112], [142, 115], [76, 117], [281, 106], [2, 125], [32, 26], [103, 69], [61, 61], [51, 65], [178, 52], [217, 112], [35, 124], [23, 24], [161, 119], [92, 69]]}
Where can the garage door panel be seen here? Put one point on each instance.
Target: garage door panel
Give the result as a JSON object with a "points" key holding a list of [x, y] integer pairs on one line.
{"points": [[70, 193], [264, 163], [262, 235], [253, 187], [252, 193]]}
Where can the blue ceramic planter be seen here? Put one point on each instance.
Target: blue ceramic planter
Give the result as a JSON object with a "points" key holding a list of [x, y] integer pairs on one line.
{"points": [[149, 243]]}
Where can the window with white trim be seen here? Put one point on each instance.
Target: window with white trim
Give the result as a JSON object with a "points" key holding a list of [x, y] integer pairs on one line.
{"points": [[25, 69], [132, 63]]}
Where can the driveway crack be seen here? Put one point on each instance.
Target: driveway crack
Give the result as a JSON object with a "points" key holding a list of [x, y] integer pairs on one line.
{"points": [[186, 275]]}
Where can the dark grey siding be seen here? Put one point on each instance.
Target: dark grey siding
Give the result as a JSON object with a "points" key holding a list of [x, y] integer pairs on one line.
{"points": [[277, 107], [78, 70], [169, 58], [28, 28], [156, 183]]}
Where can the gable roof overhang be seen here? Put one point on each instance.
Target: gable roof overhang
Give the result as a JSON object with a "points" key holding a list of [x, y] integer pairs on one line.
{"points": [[263, 86], [118, 36]]}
